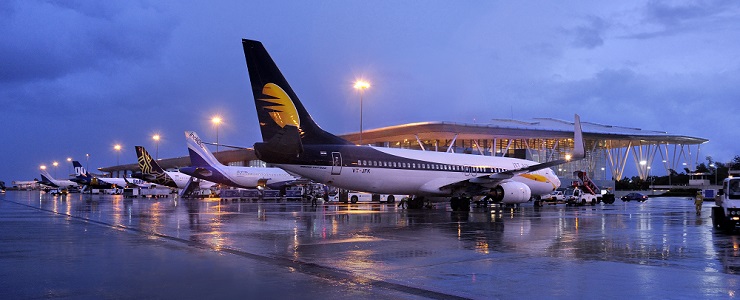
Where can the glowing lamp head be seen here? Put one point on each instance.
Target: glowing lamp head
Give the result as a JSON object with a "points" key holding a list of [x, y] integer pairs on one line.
{"points": [[568, 157], [117, 147], [216, 120], [361, 84], [155, 137]]}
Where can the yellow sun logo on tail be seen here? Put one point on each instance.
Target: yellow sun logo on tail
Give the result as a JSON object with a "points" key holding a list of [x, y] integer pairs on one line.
{"points": [[283, 112]]}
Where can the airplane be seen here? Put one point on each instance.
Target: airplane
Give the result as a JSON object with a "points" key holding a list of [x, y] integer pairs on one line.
{"points": [[294, 142], [85, 178], [48, 180], [152, 172], [205, 166], [25, 184]]}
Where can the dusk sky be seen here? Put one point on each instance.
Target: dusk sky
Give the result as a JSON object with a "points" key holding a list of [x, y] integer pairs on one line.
{"points": [[77, 77]]}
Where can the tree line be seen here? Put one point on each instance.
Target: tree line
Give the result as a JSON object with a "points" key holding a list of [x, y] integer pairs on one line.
{"points": [[716, 172]]}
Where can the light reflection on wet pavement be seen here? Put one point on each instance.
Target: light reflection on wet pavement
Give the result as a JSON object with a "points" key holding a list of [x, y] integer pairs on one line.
{"points": [[659, 248]]}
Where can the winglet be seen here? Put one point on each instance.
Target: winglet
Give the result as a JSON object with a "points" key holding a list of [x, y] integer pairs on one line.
{"points": [[579, 150]]}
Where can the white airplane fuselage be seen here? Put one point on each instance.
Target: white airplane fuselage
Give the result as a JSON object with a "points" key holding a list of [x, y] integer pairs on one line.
{"points": [[366, 175], [181, 180]]}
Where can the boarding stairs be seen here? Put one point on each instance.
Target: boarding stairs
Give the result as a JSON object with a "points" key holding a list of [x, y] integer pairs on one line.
{"points": [[189, 188], [586, 182]]}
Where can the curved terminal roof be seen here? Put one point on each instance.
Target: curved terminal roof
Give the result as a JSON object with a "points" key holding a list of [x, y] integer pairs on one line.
{"points": [[543, 128]]}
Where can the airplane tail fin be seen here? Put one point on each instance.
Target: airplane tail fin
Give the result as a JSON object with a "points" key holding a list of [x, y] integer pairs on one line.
{"points": [[150, 169], [46, 177], [81, 175], [147, 165], [285, 124], [80, 171], [200, 156]]}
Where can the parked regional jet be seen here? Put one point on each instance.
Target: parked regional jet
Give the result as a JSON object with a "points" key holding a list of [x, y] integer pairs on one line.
{"points": [[152, 172], [205, 166], [294, 142], [85, 178], [48, 180]]}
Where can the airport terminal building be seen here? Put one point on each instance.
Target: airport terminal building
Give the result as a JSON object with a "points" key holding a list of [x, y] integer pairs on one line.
{"points": [[608, 148]]}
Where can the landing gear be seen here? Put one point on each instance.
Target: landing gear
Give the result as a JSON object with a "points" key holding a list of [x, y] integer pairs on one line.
{"points": [[460, 203], [416, 203]]}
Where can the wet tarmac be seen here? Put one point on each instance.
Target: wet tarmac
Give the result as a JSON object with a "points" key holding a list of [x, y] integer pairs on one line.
{"points": [[102, 246]]}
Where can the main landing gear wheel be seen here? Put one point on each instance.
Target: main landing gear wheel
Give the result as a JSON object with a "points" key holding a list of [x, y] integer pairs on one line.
{"points": [[460, 204]]}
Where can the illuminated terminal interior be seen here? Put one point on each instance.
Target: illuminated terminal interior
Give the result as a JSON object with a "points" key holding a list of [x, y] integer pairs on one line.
{"points": [[608, 148]]}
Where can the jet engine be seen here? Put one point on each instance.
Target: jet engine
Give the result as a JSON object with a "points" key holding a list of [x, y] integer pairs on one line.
{"points": [[511, 192]]}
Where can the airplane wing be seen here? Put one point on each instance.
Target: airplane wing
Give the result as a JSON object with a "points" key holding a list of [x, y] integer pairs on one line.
{"points": [[579, 152]]}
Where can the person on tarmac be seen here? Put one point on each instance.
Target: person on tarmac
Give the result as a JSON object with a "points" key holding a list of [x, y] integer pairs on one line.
{"points": [[402, 203], [698, 201], [314, 200]]}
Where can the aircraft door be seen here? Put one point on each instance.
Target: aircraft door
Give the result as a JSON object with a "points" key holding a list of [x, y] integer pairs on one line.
{"points": [[336, 163]]}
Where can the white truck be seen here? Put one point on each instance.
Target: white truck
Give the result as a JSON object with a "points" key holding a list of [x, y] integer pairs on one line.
{"points": [[726, 212], [586, 192], [556, 197], [577, 196]]}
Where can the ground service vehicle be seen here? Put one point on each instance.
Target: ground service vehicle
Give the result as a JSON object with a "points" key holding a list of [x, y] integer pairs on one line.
{"points": [[726, 212], [250, 194], [354, 197], [585, 192], [557, 196]]}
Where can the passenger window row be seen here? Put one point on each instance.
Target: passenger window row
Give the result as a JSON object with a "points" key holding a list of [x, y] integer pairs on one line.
{"points": [[428, 166]]}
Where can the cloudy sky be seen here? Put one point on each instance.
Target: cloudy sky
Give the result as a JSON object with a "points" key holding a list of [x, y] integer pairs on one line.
{"points": [[77, 77]]}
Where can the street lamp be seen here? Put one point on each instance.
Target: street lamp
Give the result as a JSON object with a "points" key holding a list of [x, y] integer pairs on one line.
{"points": [[603, 170], [69, 166], [117, 147], [56, 164], [361, 85], [715, 173], [156, 142], [216, 121]]}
